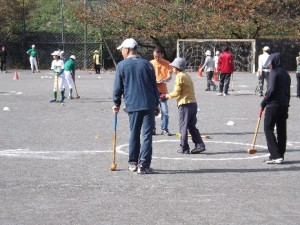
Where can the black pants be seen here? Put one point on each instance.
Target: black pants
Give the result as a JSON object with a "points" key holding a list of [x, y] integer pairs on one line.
{"points": [[224, 82], [298, 84], [187, 122], [264, 76], [276, 115], [3, 65], [209, 76], [97, 68]]}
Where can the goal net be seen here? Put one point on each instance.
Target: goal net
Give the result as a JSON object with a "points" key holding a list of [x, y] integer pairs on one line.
{"points": [[193, 51]]}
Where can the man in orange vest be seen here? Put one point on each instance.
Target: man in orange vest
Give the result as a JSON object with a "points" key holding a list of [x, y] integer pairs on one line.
{"points": [[163, 73]]}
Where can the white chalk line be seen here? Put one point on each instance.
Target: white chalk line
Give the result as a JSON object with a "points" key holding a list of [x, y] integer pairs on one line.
{"points": [[26, 153], [119, 150]]}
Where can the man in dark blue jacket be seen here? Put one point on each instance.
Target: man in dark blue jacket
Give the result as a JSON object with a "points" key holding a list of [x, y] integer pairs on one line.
{"points": [[135, 80], [276, 102]]}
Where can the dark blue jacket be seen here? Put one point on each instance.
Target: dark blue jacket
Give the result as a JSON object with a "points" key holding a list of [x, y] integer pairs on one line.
{"points": [[279, 82], [135, 80]]}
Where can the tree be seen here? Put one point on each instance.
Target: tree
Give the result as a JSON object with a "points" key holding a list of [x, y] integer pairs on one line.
{"points": [[198, 18], [13, 13]]}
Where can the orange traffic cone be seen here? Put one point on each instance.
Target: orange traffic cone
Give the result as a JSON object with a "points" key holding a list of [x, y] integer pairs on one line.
{"points": [[16, 77], [215, 77], [199, 71]]}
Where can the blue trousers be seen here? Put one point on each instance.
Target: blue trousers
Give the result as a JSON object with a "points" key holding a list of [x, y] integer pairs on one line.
{"points": [[141, 127]]}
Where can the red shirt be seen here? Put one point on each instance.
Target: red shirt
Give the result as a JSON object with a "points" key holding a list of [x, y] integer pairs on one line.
{"points": [[225, 63]]}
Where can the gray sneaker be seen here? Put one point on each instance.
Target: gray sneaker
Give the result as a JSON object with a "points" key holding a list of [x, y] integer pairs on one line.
{"points": [[132, 167], [197, 150], [141, 170]]}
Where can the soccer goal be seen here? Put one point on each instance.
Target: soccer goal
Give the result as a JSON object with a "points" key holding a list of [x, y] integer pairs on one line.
{"points": [[193, 51]]}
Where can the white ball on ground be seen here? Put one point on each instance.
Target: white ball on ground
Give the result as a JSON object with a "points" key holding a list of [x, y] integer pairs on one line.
{"points": [[230, 123]]}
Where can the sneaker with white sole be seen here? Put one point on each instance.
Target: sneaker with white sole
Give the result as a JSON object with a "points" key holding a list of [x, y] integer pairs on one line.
{"points": [[219, 94], [142, 170], [133, 167], [275, 161]]}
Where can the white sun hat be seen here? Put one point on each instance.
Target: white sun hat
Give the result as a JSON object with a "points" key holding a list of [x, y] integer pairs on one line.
{"points": [[55, 53], [208, 52]]}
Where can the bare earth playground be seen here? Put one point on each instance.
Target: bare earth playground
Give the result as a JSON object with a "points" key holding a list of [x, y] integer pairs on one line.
{"points": [[55, 160]]}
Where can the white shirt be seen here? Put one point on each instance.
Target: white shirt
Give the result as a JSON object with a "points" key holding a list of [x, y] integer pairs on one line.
{"points": [[261, 62], [57, 65], [216, 59]]}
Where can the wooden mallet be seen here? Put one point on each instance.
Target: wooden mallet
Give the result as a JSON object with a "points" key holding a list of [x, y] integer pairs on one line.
{"points": [[252, 150]]}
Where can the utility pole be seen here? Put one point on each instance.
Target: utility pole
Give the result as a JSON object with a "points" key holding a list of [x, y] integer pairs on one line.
{"points": [[85, 40], [62, 25]]}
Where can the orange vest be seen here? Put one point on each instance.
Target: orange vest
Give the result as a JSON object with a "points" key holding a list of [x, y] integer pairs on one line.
{"points": [[161, 72]]}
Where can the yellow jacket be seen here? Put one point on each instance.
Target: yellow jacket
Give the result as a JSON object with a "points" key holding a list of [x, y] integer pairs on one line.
{"points": [[183, 90]]}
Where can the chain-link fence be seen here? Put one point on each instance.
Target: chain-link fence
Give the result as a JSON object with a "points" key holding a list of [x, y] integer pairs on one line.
{"points": [[50, 33]]}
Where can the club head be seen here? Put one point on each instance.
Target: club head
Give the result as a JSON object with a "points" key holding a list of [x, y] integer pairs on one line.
{"points": [[251, 151], [113, 166], [78, 97]]}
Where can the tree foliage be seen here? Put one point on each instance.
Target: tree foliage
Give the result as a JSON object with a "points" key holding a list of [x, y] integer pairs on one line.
{"points": [[12, 16], [192, 19]]}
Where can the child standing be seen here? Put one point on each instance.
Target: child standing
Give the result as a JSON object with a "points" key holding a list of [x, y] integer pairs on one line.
{"points": [[187, 108], [57, 67]]}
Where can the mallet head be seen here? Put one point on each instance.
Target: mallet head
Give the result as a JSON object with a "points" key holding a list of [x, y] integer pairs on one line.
{"points": [[113, 166], [251, 151]]}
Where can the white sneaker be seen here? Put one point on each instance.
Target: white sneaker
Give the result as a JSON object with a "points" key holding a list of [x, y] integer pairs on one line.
{"points": [[225, 94], [275, 161], [219, 94], [133, 167]]}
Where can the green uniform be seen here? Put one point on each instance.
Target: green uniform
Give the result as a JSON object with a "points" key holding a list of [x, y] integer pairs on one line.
{"points": [[32, 52], [70, 66]]}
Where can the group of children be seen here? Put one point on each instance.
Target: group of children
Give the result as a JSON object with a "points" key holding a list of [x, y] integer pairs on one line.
{"points": [[64, 73]]}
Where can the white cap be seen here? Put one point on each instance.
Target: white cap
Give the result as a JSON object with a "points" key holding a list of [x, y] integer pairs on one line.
{"points": [[208, 52], [33, 46], [266, 48], [128, 43], [96, 51], [73, 57], [55, 53], [217, 52]]}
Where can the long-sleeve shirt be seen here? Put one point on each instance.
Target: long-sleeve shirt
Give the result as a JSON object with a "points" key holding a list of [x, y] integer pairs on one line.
{"points": [[279, 82], [209, 64], [183, 90], [226, 63], [135, 80]]}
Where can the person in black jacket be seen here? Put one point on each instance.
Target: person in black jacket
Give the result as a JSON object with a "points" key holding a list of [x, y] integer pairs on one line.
{"points": [[3, 58], [276, 102]]}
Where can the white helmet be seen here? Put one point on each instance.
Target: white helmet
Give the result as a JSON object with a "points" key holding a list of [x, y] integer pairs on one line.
{"points": [[208, 52], [73, 57]]}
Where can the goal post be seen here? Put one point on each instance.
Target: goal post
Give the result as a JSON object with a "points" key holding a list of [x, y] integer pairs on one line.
{"points": [[243, 50]]}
